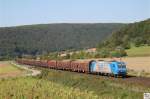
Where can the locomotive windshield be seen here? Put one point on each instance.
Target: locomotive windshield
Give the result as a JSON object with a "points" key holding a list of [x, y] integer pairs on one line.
{"points": [[121, 65]]}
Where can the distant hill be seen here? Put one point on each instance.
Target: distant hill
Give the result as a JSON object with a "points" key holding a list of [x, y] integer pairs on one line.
{"points": [[133, 34], [43, 38]]}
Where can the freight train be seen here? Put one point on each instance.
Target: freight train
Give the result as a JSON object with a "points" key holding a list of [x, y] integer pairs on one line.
{"points": [[109, 68]]}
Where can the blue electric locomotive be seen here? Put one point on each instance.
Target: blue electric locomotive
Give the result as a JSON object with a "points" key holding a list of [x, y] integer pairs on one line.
{"points": [[115, 68]]}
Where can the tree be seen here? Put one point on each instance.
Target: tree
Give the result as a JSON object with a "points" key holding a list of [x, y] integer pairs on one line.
{"points": [[148, 41], [119, 52], [104, 53], [35, 39], [138, 41], [67, 56], [126, 45]]}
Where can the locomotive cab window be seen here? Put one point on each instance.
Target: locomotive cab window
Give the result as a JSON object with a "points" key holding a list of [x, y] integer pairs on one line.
{"points": [[121, 65]]}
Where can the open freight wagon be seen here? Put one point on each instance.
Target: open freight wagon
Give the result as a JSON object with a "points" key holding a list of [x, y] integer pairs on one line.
{"points": [[115, 68]]}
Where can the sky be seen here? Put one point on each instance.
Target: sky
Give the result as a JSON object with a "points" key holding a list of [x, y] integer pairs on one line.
{"points": [[25, 12]]}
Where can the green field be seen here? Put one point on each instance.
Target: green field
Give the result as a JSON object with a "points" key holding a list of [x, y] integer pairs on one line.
{"points": [[139, 51], [55, 84], [6, 67], [9, 68]]}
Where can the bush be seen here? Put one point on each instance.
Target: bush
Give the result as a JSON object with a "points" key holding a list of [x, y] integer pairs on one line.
{"points": [[148, 41], [67, 56], [119, 52], [81, 55], [126, 45], [115, 54], [43, 74], [97, 55], [104, 53], [138, 41]]}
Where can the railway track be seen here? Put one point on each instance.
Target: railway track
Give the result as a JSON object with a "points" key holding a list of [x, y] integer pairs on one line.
{"points": [[84, 66], [141, 81], [144, 81]]}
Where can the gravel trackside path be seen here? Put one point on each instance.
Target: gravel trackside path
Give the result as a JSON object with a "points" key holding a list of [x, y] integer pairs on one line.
{"points": [[32, 72]]}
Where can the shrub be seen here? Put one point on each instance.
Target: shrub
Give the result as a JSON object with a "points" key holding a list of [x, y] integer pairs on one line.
{"points": [[104, 53], [97, 55], [126, 45], [67, 56], [43, 74], [115, 54], [148, 41], [138, 41], [119, 52]]}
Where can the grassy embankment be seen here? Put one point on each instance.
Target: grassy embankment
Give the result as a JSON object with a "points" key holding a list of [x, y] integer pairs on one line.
{"points": [[139, 51], [138, 61], [9, 70], [54, 84]]}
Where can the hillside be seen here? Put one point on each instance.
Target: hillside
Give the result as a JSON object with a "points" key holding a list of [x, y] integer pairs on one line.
{"points": [[138, 51], [136, 34], [43, 38]]}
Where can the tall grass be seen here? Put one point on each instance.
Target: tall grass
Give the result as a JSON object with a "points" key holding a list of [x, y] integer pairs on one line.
{"points": [[102, 86], [54, 84], [32, 88]]}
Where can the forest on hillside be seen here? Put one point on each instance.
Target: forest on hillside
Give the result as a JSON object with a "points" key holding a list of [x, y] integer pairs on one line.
{"points": [[136, 34], [45, 38]]}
